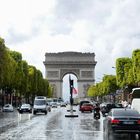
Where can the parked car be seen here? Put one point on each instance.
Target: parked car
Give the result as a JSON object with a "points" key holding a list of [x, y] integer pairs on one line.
{"points": [[25, 108], [121, 120], [8, 108], [82, 102], [87, 107]]}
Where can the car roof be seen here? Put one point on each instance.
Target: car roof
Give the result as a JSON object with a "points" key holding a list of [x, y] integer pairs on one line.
{"points": [[85, 101], [7, 105], [87, 104]]}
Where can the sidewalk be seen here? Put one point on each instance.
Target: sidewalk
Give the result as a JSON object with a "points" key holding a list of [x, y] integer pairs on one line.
{"points": [[7, 120]]}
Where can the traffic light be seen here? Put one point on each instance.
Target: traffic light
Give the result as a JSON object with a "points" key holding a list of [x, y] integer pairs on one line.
{"points": [[71, 83]]}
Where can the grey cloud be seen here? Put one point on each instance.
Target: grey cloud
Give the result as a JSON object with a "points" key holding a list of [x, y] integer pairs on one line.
{"points": [[67, 12], [15, 37]]}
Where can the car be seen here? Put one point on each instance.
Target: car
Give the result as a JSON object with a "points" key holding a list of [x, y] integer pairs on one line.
{"points": [[8, 108], [87, 107], [40, 105], [121, 120], [25, 108], [54, 104], [63, 104], [136, 104], [82, 102], [106, 107]]}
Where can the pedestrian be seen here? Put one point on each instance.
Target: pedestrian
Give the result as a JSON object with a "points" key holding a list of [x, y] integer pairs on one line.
{"points": [[129, 105]]}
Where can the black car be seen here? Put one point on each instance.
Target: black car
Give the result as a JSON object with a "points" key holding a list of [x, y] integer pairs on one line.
{"points": [[106, 107], [25, 108], [121, 120]]}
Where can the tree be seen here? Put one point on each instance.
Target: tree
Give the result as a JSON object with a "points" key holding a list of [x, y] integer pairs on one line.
{"points": [[136, 66], [92, 91], [124, 73]]}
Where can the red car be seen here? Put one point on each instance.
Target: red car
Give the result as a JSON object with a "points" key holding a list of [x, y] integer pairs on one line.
{"points": [[87, 107]]}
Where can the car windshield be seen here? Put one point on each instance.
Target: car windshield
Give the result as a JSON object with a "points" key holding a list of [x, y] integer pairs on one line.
{"points": [[87, 104], [125, 113], [25, 105], [40, 102], [7, 106]]}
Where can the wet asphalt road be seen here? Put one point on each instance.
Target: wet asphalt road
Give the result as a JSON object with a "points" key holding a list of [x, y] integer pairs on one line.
{"points": [[55, 126]]}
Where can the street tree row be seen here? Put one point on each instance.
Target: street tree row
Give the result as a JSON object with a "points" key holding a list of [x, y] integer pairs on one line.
{"points": [[17, 77], [127, 76]]}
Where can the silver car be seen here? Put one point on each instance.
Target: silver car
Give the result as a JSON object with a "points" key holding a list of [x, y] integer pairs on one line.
{"points": [[8, 108]]}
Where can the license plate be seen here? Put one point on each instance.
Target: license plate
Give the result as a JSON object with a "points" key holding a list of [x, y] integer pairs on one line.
{"points": [[128, 122]]}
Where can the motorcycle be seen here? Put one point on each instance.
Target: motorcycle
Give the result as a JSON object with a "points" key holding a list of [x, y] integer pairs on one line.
{"points": [[96, 115]]}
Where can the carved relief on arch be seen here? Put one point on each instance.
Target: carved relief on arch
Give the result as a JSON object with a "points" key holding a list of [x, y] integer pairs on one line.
{"points": [[52, 74]]}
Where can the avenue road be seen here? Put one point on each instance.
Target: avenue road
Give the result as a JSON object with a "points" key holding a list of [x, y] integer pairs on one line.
{"points": [[55, 126]]}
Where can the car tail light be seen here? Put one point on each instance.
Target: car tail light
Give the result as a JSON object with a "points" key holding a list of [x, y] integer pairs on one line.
{"points": [[115, 121], [138, 122]]}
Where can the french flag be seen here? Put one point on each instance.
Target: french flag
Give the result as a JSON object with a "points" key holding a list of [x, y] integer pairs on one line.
{"points": [[74, 91]]}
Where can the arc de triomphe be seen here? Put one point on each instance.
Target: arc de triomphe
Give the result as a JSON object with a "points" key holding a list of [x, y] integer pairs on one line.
{"points": [[82, 65]]}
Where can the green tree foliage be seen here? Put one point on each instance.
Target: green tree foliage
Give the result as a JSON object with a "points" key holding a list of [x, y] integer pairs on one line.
{"points": [[92, 91], [19, 69], [24, 81], [2, 61], [136, 65], [17, 75], [124, 72], [7, 67], [32, 85], [110, 85], [107, 86]]}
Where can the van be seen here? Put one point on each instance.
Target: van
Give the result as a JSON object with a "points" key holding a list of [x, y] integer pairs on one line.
{"points": [[136, 104], [40, 105]]}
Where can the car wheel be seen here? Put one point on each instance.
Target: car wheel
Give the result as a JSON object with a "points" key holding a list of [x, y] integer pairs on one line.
{"points": [[34, 113], [139, 136], [133, 136]]}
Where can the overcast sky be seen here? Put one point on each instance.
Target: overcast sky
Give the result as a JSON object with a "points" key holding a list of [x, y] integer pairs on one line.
{"points": [[109, 28]]}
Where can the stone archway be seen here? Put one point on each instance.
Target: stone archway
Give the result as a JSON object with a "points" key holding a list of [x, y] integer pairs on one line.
{"points": [[80, 64]]}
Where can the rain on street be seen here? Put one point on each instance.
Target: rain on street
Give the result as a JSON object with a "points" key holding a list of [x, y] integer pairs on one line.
{"points": [[55, 126]]}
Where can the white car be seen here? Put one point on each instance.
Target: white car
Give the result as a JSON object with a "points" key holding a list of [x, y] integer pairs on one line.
{"points": [[136, 104], [8, 108], [54, 104]]}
